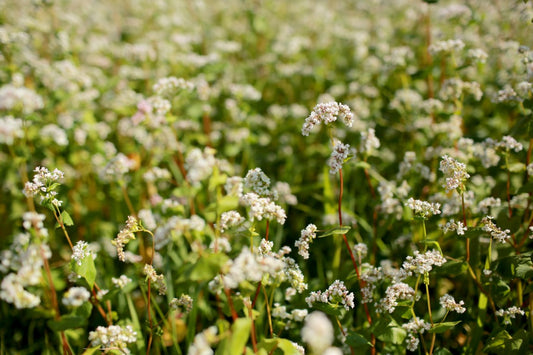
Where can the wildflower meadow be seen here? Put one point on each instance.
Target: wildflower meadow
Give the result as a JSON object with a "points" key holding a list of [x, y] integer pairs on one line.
{"points": [[266, 177]]}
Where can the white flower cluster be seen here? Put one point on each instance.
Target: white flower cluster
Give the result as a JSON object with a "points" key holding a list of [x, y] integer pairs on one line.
{"points": [[169, 86], [117, 168], [413, 327], [336, 293], [327, 113], [19, 98], [369, 142], [263, 208], [490, 202], [509, 143], [34, 220], [360, 249], [509, 313], [10, 129], [184, 303], [230, 219], [199, 165], [156, 173], [158, 280], [455, 88], [248, 267], [396, 291], [454, 173], [446, 46], [306, 237], [507, 94], [76, 296], [495, 231], [423, 209], [477, 55], [448, 302], [453, 225], [202, 342], [80, 251], [283, 191], [234, 186], [44, 184], [125, 235], [113, 337], [220, 244], [257, 181], [338, 156], [279, 311], [121, 281], [318, 332], [423, 263]]}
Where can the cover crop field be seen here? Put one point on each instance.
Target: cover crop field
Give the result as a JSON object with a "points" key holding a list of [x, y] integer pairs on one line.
{"points": [[266, 177]]}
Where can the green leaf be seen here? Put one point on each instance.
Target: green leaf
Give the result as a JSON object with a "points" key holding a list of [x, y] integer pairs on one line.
{"points": [[284, 345], [240, 331], [85, 270], [66, 219], [442, 327], [335, 230], [91, 351], [516, 167], [356, 340], [84, 311], [67, 322], [331, 309], [388, 331], [207, 267], [442, 351]]}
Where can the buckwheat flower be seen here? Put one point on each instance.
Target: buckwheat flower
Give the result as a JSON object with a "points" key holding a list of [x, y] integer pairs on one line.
{"points": [[19, 98], [477, 54], [306, 237], [44, 184], [524, 88], [423, 209], [361, 249], [220, 244], [448, 302], [338, 155], [125, 235], [76, 296], [455, 174], [121, 281], [446, 46], [55, 134], [298, 315], [452, 225], [199, 164], [80, 251], [412, 342], [332, 351], [184, 303], [263, 208], [113, 337], [257, 181], [327, 113], [117, 168], [495, 231], [336, 293], [423, 263], [279, 311], [12, 291], [34, 220], [509, 313], [202, 342], [416, 325], [393, 293], [300, 349], [234, 186], [509, 143], [507, 94], [158, 280], [283, 191], [317, 332], [489, 202], [171, 85], [369, 142], [10, 129]]}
